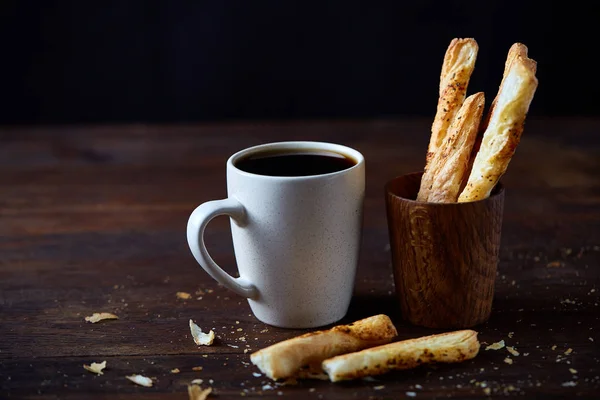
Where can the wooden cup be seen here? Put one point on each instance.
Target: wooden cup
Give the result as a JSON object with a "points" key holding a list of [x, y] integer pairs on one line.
{"points": [[444, 255]]}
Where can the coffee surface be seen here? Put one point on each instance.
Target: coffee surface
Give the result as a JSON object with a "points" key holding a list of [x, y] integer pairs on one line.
{"points": [[294, 163]]}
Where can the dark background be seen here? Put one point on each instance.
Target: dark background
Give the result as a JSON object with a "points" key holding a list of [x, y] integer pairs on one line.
{"points": [[186, 61]]}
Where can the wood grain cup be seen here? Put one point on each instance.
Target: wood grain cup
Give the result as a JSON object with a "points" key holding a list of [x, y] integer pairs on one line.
{"points": [[444, 255]]}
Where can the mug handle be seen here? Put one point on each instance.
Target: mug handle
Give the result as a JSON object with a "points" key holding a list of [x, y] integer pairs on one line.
{"points": [[197, 223]]}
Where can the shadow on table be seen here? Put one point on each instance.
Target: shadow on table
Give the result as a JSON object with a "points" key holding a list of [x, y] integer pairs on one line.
{"points": [[366, 305]]}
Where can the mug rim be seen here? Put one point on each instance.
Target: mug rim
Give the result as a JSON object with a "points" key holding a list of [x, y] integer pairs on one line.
{"points": [[498, 190], [297, 144]]}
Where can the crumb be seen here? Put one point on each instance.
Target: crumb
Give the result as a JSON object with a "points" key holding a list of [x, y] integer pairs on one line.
{"points": [[201, 338], [554, 347], [96, 367], [487, 391], [573, 371], [508, 360], [140, 380], [196, 368], [411, 394], [379, 387], [196, 392], [554, 264], [568, 384], [183, 295], [512, 350], [97, 317], [496, 346], [510, 334], [568, 351], [175, 371]]}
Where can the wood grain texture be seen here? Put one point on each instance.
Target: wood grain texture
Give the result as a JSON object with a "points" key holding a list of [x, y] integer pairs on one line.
{"points": [[444, 255], [92, 218]]}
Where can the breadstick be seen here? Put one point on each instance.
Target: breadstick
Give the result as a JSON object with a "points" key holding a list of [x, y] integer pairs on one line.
{"points": [[449, 347], [465, 118], [302, 356], [516, 50], [504, 130], [441, 183], [459, 62]]}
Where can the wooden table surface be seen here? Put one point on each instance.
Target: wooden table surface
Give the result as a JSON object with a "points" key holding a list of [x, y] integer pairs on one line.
{"points": [[92, 219]]}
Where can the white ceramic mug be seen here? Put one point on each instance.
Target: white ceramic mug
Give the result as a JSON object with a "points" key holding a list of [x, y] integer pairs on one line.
{"points": [[296, 239]]}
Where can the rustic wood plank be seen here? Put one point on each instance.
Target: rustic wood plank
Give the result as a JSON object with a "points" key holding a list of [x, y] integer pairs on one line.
{"points": [[93, 218]]}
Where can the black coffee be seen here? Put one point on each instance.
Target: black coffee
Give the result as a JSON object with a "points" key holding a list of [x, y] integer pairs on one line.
{"points": [[294, 163]]}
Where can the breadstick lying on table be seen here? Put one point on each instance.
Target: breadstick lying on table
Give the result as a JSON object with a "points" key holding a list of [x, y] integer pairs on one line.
{"points": [[441, 182], [504, 129], [449, 347], [459, 62], [292, 357]]}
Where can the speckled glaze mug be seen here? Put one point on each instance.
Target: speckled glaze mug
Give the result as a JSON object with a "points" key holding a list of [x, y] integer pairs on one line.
{"points": [[296, 238]]}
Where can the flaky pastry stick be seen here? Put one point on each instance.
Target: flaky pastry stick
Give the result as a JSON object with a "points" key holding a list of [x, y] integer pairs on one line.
{"points": [[294, 357], [517, 49], [504, 130], [459, 62], [451, 347], [441, 182]]}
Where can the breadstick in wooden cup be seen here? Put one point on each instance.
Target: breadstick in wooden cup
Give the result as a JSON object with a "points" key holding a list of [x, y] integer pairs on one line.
{"points": [[504, 130], [459, 62], [441, 182]]}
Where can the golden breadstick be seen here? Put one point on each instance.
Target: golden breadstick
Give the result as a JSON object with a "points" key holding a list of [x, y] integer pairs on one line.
{"points": [[516, 50], [459, 62], [302, 356], [442, 181], [504, 130], [449, 347], [459, 142]]}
